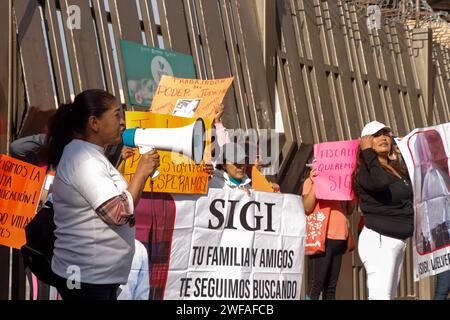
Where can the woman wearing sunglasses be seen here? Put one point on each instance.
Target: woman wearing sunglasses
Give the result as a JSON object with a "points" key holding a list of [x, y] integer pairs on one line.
{"points": [[386, 200]]}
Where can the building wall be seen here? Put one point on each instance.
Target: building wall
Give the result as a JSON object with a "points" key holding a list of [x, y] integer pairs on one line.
{"points": [[329, 73]]}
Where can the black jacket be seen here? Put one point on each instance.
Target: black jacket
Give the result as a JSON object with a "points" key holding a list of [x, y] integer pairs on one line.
{"points": [[386, 200]]}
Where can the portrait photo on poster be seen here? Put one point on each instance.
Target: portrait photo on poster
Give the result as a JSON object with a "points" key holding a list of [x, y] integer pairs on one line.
{"points": [[432, 194], [186, 107]]}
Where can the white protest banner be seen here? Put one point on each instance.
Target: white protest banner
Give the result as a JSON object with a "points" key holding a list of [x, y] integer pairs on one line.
{"points": [[228, 245], [425, 152]]}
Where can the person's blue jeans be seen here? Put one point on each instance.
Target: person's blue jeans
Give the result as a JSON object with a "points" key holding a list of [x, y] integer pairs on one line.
{"points": [[442, 285]]}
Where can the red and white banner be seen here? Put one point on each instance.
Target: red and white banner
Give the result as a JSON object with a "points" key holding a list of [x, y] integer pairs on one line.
{"points": [[425, 152], [226, 245]]}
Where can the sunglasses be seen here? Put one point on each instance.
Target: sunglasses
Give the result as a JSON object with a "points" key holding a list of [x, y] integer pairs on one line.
{"points": [[382, 133]]}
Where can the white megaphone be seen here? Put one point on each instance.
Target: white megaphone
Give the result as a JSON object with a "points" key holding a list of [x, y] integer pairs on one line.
{"points": [[188, 140]]}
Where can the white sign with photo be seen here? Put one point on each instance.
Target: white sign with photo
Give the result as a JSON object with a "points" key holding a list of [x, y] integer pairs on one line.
{"points": [[426, 154]]}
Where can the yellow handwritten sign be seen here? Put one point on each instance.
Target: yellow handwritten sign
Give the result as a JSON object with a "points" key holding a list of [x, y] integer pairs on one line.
{"points": [[20, 189], [189, 97], [178, 173]]}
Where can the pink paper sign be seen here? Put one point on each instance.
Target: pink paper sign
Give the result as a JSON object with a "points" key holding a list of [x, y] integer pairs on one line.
{"points": [[335, 162]]}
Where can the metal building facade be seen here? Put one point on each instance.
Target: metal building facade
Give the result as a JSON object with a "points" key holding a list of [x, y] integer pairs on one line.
{"points": [[316, 59]]}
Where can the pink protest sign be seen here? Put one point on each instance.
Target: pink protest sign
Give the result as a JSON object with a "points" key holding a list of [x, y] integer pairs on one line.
{"points": [[335, 162]]}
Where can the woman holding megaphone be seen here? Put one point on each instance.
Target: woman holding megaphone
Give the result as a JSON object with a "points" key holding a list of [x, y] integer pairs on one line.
{"points": [[93, 203]]}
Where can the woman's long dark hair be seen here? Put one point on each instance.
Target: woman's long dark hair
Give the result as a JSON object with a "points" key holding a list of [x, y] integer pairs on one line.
{"points": [[398, 165], [359, 161], [73, 117]]}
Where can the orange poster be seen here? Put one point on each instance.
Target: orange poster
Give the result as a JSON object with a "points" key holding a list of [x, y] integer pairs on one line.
{"points": [[177, 173], [20, 189], [189, 97], [259, 182]]}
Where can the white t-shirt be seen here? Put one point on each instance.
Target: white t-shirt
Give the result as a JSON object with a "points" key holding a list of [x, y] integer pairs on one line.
{"points": [[138, 285], [85, 179]]}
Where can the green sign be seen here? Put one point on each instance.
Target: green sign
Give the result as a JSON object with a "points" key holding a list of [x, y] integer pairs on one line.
{"points": [[144, 67]]}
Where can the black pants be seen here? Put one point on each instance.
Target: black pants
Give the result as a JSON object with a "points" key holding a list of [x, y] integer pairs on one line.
{"points": [[324, 269], [87, 291]]}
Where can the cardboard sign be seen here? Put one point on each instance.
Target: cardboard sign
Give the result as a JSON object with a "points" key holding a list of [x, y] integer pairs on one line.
{"points": [[189, 97], [335, 162], [20, 189], [144, 67], [178, 173]]}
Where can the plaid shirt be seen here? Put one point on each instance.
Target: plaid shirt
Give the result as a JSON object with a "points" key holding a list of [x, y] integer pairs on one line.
{"points": [[118, 210], [155, 220]]}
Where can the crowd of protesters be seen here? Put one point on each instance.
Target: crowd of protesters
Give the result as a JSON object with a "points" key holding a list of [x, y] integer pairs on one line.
{"points": [[94, 205]]}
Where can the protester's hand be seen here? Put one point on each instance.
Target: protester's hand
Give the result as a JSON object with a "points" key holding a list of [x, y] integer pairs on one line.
{"points": [[208, 168], [258, 163], [365, 142], [275, 187], [218, 112], [148, 163], [126, 152], [313, 174]]}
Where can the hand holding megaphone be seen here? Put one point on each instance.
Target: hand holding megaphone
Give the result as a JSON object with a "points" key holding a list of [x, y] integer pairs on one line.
{"points": [[128, 152], [148, 164]]}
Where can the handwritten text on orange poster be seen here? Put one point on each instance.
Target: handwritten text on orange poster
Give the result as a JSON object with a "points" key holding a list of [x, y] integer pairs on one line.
{"points": [[20, 189]]}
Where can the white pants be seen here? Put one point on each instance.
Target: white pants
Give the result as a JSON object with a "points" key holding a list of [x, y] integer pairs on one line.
{"points": [[383, 258]]}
